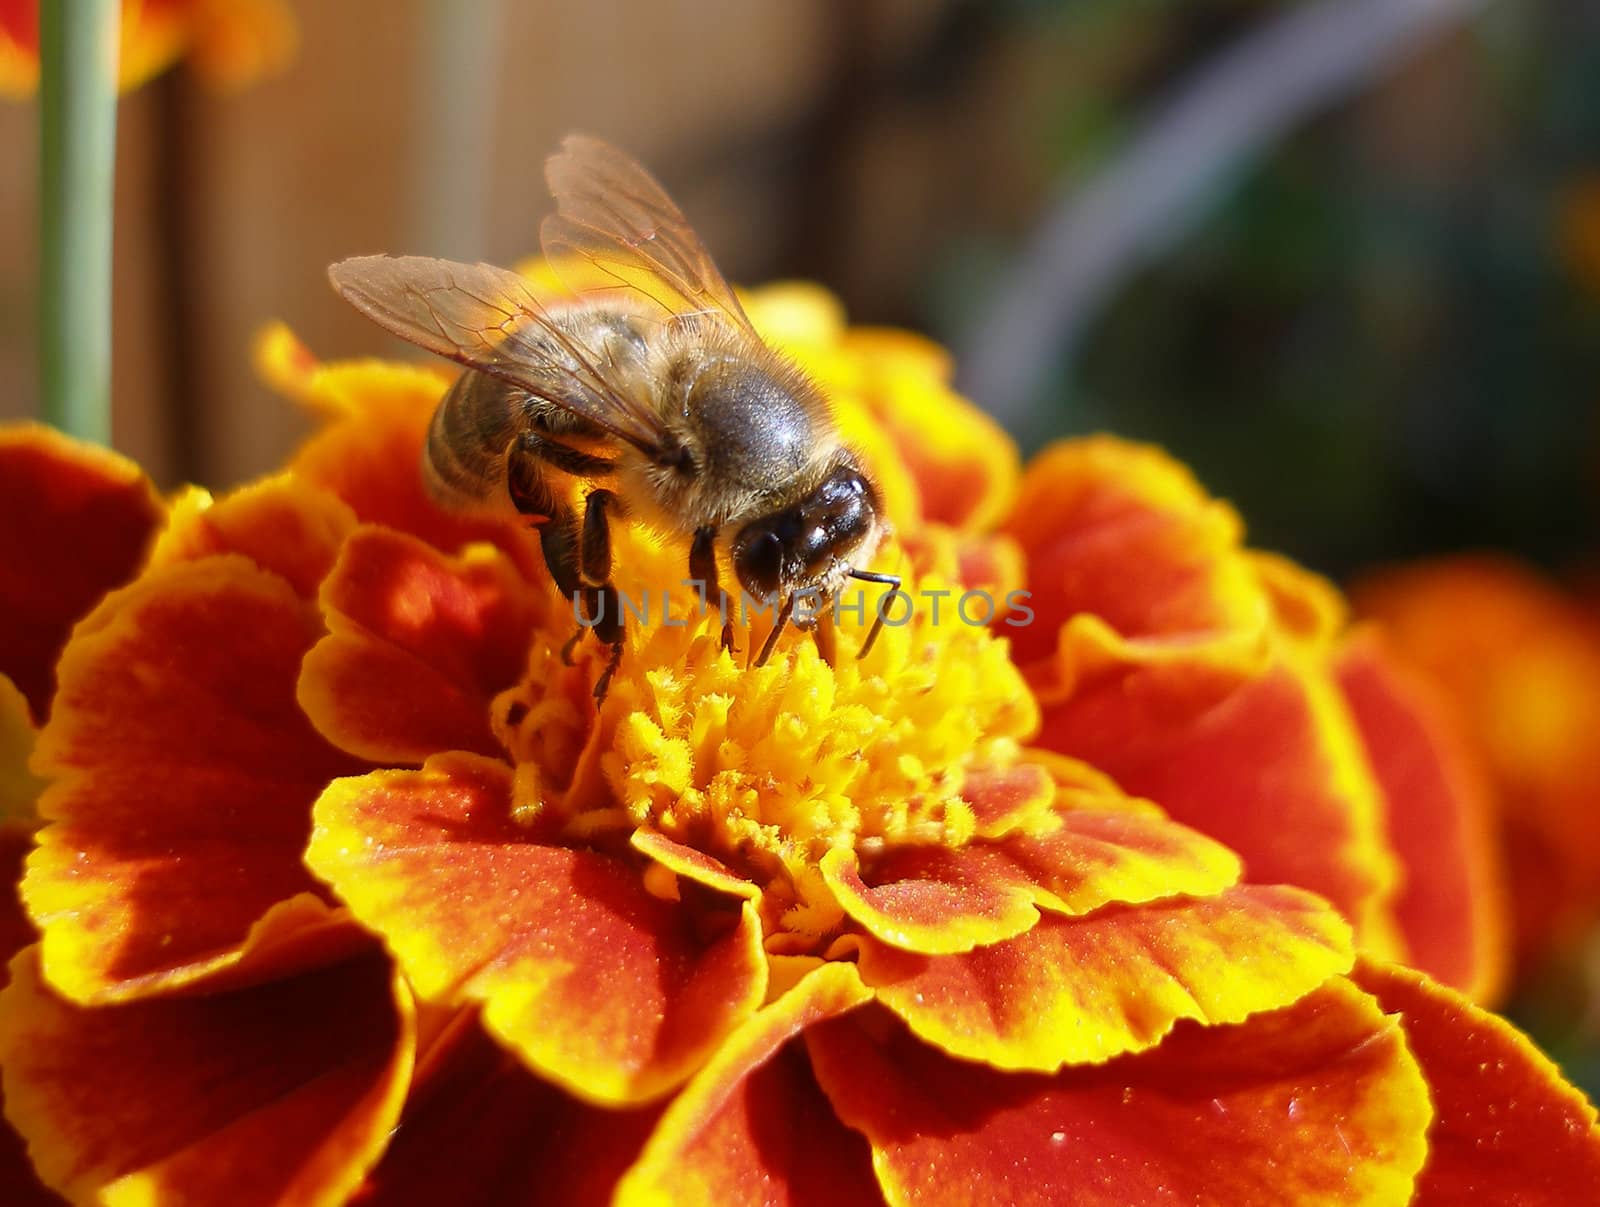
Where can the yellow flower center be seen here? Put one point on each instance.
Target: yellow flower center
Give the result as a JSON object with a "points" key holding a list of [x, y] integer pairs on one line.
{"points": [[768, 768]]}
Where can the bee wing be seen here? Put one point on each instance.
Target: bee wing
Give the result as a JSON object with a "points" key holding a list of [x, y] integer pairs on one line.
{"points": [[614, 214], [487, 319]]}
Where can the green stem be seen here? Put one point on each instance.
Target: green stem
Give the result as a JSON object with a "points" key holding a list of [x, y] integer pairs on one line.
{"points": [[77, 154]]}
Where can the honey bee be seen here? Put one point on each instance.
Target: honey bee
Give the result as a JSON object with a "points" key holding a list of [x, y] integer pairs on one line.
{"points": [[653, 389]]}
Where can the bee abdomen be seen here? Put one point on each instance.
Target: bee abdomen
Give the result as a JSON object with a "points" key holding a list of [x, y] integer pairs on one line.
{"points": [[464, 459]]}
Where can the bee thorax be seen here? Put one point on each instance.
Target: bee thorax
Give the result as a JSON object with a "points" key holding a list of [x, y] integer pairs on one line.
{"points": [[754, 431]]}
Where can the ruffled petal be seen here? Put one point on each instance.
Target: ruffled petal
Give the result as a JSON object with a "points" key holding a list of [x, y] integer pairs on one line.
{"points": [[281, 524], [184, 775], [1082, 990], [370, 452], [285, 1092], [941, 900], [1508, 1128], [1276, 772], [480, 1130], [752, 1126], [601, 986], [1130, 560], [1451, 906], [965, 465], [1317, 1103], [418, 646], [90, 515]]}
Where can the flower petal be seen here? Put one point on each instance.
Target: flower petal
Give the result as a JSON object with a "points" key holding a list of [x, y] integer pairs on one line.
{"points": [[418, 646], [480, 1129], [691, 864], [370, 454], [752, 1126], [1451, 906], [934, 900], [940, 900], [91, 515], [1122, 534], [184, 777], [1276, 772], [599, 985], [285, 1092], [965, 465], [1508, 1128], [1319, 1102], [282, 525], [1081, 990]]}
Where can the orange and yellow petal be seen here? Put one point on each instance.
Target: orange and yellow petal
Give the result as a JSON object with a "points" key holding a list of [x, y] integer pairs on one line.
{"points": [[598, 984], [183, 778], [1317, 1103], [1121, 534], [281, 524], [1507, 1127], [90, 518], [943, 900], [753, 1126], [480, 1130], [1277, 772], [418, 646], [1451, 904], [283, 1092], [1082, 990], [965, 465], [369, 451]]}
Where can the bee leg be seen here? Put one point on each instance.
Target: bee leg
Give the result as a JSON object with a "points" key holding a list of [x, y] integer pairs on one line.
{"points": [[603, 603], [703, 573], [777, 628], [558, 541]]}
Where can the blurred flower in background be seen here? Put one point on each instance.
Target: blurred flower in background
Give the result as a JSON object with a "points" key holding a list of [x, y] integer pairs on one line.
{"points": [[228, 43]]}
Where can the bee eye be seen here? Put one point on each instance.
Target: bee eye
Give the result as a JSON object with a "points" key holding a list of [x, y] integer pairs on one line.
{"points": [[758, 561], [766, 558]]}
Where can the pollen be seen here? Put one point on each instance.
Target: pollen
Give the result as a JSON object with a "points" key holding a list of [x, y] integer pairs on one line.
{"points": [[767, 768]]}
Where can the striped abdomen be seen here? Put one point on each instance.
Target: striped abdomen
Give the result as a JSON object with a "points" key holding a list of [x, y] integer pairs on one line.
{"points": [[464, 459]]}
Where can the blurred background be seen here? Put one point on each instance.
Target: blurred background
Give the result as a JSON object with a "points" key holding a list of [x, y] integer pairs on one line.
{"points": [[1374, 324], [1340, 256]]}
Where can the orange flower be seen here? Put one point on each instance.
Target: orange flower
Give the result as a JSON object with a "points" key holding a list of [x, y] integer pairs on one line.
{"points": [[231, 43], [1518, 662], [796, 932]]}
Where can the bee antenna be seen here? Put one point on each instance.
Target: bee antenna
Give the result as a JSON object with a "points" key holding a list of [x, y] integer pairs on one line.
{"points": [[874, 576]]}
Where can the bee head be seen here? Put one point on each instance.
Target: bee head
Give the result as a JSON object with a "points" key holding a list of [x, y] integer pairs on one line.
{"points": [[811, 541]]}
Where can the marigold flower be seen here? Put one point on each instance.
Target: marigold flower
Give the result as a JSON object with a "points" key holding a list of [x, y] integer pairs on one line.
{"points": [[230, 43], [792, 933]]}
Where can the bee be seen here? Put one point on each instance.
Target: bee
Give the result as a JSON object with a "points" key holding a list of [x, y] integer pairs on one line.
{"points": [[651, 389]]}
